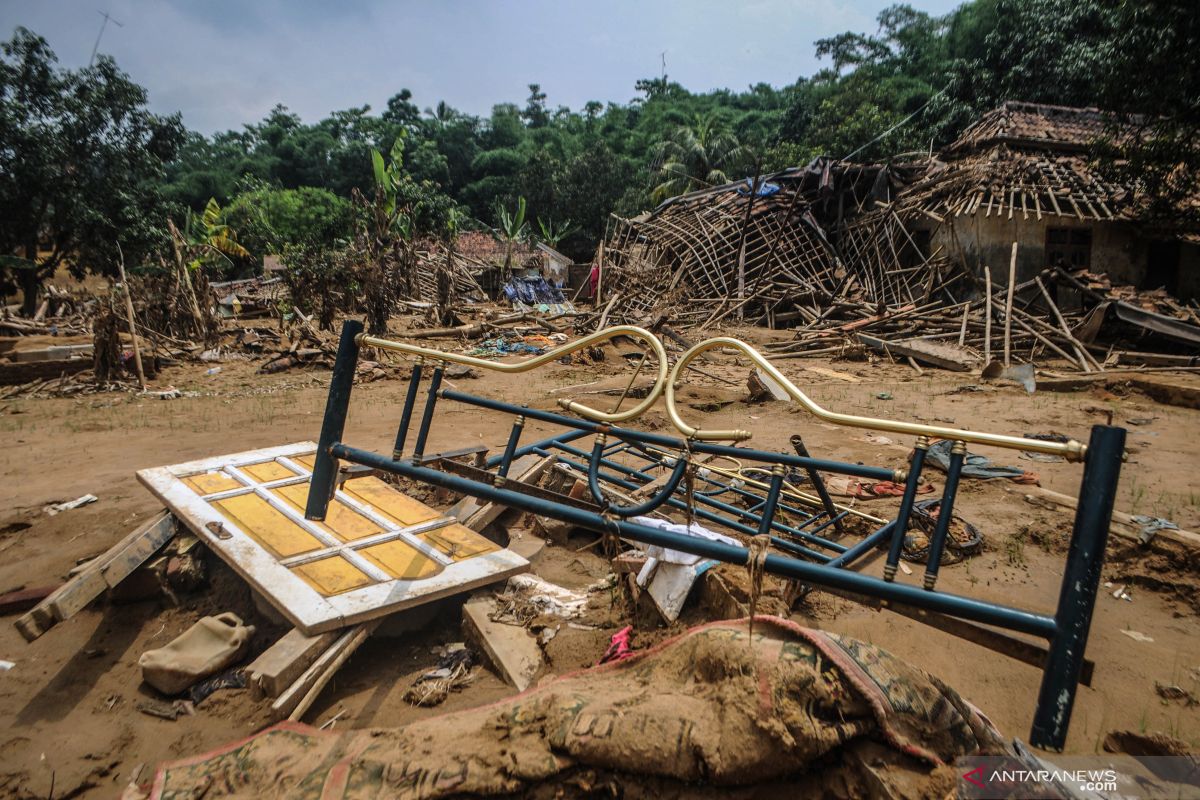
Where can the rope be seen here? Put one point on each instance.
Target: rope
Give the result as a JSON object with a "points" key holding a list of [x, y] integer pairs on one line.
{"points": [[756, 567], [898, 124], [689, 477]]}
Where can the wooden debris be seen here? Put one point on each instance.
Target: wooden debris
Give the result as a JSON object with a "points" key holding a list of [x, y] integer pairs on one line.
{"points": [[1124, 525], [278, 667], [23, 599], [946, 356], [476, 516], [294, 703], [510, 649], [99, 575]]}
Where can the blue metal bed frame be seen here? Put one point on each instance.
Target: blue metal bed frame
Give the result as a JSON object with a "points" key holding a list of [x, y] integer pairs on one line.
{"points": [[814, 557]]}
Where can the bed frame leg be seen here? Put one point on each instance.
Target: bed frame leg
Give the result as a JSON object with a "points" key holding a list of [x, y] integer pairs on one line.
{"points": [[1081, 578]]}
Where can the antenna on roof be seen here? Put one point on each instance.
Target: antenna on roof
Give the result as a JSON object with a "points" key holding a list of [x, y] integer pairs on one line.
{"points": [[103, 25]]}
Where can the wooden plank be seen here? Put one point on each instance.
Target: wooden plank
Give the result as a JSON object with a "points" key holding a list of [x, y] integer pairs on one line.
{"points": [[936, 354], [120, 562], [299, 697], [510, 649], [527, 469], [278, 667], [96, 577], [833, 373], [1122, 522]]}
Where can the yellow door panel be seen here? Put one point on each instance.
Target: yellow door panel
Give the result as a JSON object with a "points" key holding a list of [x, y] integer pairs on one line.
{"points": [[267, 526], [399, 508], [340, 520], [210, 482], [401, 560], [458, 542], [331, 576], [268, 471]]}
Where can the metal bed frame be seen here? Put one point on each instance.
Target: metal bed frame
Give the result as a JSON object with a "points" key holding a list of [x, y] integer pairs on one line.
{"points": [[817, 551]]}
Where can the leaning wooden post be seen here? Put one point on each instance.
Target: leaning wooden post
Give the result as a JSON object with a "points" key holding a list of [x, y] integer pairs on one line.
{"points": [[987, 320], [599, 275], [137, 353], [1012, 280], [741, 282]]}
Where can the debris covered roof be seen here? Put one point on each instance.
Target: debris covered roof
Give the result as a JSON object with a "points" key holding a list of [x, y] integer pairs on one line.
{"points": [[1028, 159], [1035, 125]]}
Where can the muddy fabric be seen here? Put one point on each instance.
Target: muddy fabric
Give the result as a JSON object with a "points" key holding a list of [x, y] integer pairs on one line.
{"points": [[713, 705]]}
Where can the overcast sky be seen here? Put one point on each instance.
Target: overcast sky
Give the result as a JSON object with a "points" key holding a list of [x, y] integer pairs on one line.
{"points": [[225, 63]]}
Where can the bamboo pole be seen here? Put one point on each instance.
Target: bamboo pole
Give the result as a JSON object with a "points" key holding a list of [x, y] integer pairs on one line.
{"points": [[137, 352], [1084, 355], [599, 275], [987, 329], [1008, 303]]}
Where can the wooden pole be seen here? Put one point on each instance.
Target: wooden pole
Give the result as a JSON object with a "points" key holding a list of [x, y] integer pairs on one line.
{"points": [[1012, 282], [137, 353], [599, 275], [962, 332], [741, 281], [987, 320], [1080, 350]]}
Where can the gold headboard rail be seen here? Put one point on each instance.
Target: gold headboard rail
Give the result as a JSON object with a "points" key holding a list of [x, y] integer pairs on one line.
{"points": [[1072, 450], [585, 411]]}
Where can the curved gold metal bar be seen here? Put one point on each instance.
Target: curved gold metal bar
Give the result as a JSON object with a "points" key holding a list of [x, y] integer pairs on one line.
{"points": [[640, 334], [1071, 450]]}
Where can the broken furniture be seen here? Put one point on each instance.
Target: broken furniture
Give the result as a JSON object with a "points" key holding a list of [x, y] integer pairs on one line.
{"points": [[813, 559], [377, 551]]}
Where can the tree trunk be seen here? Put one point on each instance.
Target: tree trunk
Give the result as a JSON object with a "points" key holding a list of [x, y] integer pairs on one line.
{"points": [[30, 283]]}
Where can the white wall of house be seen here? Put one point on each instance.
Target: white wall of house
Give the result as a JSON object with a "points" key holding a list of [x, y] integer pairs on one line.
{"points": [[1117, 249]]}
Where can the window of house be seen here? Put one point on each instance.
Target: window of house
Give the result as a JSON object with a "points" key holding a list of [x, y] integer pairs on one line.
{"points": [[1069, 247]]}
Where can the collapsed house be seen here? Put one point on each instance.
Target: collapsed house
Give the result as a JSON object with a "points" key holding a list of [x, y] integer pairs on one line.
{"points": [[1023, 173], [797, 245], [782, 248]]}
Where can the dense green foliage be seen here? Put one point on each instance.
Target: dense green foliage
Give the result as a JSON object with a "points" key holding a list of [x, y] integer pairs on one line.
{"points": [[912, 84], [80, 164], [267, 219]]}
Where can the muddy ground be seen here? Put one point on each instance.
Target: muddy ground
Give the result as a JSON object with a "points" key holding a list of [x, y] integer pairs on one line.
{"points": [[69, 704]]}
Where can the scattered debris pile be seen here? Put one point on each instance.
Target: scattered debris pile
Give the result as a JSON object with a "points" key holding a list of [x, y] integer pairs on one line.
{"points": [[793, 245], [61, 312], [248, 298], [1083, 321]]}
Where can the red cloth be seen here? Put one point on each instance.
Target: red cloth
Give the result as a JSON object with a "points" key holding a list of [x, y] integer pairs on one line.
{"points": [[620, 646]]}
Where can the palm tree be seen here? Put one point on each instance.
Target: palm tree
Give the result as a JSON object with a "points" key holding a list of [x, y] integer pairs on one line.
{"points": [[695, 156]]}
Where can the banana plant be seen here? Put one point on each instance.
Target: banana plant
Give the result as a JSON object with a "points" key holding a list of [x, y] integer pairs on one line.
{"points": [[553, 233], [511, 229], [389, 176], [207, 236]]}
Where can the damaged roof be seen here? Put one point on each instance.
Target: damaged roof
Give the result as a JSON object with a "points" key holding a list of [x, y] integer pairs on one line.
{"points": [[1036, 125], [1028, 159]]}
